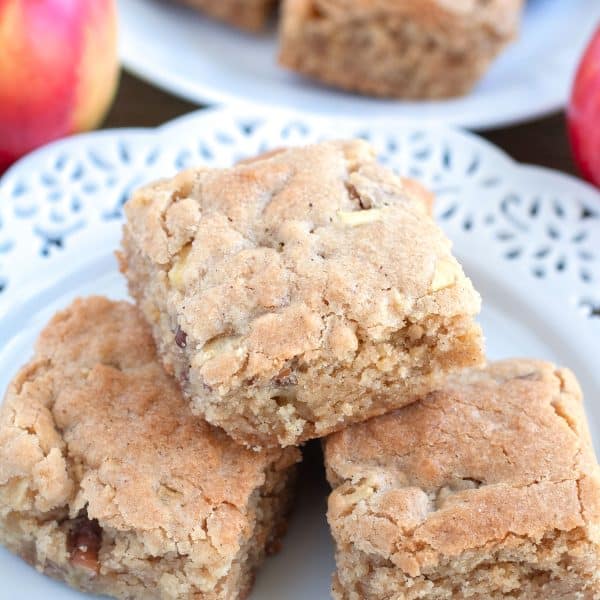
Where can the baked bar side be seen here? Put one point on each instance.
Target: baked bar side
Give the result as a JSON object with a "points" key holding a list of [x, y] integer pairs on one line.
{"points": [[414, 50], [403, 539], [559, 566]]}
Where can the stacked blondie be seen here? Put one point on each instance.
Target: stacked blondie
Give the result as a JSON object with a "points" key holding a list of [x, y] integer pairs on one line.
{"points": [[148, 451], [295, 295]]}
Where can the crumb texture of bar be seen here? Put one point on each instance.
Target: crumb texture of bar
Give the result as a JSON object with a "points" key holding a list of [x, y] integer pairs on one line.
{"points": [[488, 488], [397, 48], [251, 15], [298, 293], [108, 482]]}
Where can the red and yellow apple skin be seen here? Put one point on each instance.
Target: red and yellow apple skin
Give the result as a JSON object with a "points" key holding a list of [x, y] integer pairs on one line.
{"points": [[583, 114], [58, 70]]}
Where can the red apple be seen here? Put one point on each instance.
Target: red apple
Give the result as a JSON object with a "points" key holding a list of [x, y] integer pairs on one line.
{"points": [[58, 70], [583, 114]]}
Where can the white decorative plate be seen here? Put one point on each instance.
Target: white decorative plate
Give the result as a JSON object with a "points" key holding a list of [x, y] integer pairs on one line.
{"points": [[209, 63], [529, 238]]}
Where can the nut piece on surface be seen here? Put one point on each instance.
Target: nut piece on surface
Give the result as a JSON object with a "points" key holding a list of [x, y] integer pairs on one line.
{"points": [[176, 272], [360, 217], [445, 274], [315, 262], [493, 473], [219, 345]]}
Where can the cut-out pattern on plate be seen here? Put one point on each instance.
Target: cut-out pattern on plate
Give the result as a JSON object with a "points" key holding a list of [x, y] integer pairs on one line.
{"points": [[64, 200]]}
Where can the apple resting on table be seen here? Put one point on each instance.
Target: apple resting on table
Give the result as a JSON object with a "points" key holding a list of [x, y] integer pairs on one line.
{"points": [[58, 70], [584, 113]]}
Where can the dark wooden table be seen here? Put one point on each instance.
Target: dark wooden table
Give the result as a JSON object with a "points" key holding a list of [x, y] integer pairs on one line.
{"points": [[542, 142]]}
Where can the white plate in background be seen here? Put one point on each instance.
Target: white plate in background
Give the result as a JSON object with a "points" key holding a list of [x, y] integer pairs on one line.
{"points": [[206, 62], [528, 237]]}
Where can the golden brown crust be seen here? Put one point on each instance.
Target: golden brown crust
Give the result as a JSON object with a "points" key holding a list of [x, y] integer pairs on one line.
{"points": [[412, 187], [500, 459], [420, 193], [404, 49], [93, 426], [298, 293], [251, 15]]}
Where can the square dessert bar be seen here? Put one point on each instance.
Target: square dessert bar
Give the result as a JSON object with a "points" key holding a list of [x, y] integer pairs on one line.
{"points": [[488, 488], [109, 483], [396, 48], [244, 14], [296, 294]]}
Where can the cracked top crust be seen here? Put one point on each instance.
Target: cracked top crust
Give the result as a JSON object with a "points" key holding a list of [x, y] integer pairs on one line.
{"points": [[93, 421], [498, 455], [294, 257]]}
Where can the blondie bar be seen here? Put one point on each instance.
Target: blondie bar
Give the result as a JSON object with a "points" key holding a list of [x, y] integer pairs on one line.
{"points": [[486, 489], [396, 48], [109, 483], [299, 293], [251, 15]]}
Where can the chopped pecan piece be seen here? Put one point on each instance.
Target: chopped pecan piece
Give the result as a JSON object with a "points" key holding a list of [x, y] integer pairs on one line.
{"points": [[181, 337], [83, 542]]}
